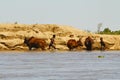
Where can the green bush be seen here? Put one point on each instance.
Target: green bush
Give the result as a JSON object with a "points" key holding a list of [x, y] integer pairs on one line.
{"points": [[108, 31]]}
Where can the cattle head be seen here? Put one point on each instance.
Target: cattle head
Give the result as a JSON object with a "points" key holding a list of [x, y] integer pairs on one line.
{"points": [[79, 42], [26, 40]]}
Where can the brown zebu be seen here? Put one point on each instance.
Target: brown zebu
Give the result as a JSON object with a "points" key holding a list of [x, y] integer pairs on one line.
{"points": [[88, 43], [72, 43], [33, 42]]}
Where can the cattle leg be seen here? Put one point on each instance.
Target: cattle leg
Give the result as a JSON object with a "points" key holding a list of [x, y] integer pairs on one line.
{"points": [[43, 48], [71, 48], [89, 48], [30, 48]]}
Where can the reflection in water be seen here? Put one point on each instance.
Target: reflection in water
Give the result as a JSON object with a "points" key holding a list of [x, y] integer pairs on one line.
{"points": [[60, 66]]}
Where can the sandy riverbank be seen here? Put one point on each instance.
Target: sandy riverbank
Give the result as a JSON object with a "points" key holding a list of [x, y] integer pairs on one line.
{"points": [[12, 36]]}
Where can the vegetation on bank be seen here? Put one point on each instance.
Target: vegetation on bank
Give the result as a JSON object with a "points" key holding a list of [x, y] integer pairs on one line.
{"points": [[108, 31]]}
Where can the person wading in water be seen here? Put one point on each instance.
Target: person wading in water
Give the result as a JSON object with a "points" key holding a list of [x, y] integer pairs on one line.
{"points": [[102, 44], [52, 42]]}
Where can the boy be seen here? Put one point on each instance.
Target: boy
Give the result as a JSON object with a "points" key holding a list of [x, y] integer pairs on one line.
{"points": [[102, 44], [52, 42]]}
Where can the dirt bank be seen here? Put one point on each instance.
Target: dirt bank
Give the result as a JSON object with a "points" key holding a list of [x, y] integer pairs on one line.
{"points": [[12, 36]]}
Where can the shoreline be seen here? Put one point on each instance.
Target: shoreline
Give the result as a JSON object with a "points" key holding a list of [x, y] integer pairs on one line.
{"points": [[47, 51]]}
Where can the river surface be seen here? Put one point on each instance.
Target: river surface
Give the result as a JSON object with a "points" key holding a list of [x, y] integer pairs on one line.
{"points": [[83, 65]]}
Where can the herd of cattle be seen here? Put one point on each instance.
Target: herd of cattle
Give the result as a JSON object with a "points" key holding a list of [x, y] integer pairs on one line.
{"points": [[71, 44]]}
